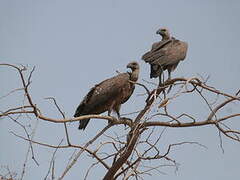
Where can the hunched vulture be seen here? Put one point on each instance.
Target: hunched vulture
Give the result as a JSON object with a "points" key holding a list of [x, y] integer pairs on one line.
{"points": [[165, 54], [108, 95]]}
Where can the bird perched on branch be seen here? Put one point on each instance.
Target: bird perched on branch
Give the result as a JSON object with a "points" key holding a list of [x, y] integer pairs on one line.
{"points": [[108, 95], [165, 54]]}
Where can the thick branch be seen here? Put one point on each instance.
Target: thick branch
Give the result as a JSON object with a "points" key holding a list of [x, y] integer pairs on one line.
{"points": [[123, 158]]}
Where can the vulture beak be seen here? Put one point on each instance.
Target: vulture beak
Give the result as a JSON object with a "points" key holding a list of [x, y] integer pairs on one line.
{"points": [[158, 31], [129, 65]]}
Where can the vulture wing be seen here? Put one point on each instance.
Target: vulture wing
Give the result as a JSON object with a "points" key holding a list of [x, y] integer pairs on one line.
{"points": [[147, 57], [166, 52], [105, 96], [170, 54]]}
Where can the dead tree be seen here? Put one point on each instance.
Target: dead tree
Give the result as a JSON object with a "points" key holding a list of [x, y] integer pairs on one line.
{"points": [[139, 142]]}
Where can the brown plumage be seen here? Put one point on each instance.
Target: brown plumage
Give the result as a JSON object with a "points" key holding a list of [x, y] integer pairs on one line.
{"points": [[165, 54], [108, 95]]}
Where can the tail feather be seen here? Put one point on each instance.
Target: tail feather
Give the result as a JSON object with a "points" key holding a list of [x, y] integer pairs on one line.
{"points": [[79, 112], [155, 71], [83, 124]]}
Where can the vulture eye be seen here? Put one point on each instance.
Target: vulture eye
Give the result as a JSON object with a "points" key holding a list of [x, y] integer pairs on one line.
{"points": [[164, 30]]}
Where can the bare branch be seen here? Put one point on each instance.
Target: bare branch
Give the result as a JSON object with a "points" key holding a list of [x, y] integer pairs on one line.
{"points": [[127, 157], [51, 165], [63, 115], [82, 150]]}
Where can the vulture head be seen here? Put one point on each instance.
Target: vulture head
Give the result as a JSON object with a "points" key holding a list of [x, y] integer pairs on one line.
{"points": [[164, 32], [134, 66]]}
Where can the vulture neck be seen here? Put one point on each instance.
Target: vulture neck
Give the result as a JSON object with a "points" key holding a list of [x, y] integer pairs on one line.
{"points": [[165, 37], [134, 75]]}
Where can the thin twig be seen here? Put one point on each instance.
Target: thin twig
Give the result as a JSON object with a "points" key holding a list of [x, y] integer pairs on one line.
{"points": [[82, 150], [51, 165]]}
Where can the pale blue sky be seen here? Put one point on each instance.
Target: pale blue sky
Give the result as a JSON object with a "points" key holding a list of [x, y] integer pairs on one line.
{"points": [[76, 44]]}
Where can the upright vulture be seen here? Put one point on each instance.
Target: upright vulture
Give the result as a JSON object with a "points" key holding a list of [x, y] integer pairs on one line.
{"points": [[165, 54], [108, 95]]}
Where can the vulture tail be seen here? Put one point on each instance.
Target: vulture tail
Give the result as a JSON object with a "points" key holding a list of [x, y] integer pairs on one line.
{"points": [[79, 112], [82, 109], [83, 124], [155, 71]]}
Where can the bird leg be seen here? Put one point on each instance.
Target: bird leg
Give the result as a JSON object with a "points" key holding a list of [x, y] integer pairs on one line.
{"points": [[160, 80], [161, 84], [169, 74], [109, 114], [118, 114], [117, 109], [169, 78], [161, 76]]}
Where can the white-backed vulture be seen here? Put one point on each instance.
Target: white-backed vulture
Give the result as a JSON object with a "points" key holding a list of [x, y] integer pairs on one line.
{"points": [[165, 54], [108, 95]]}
